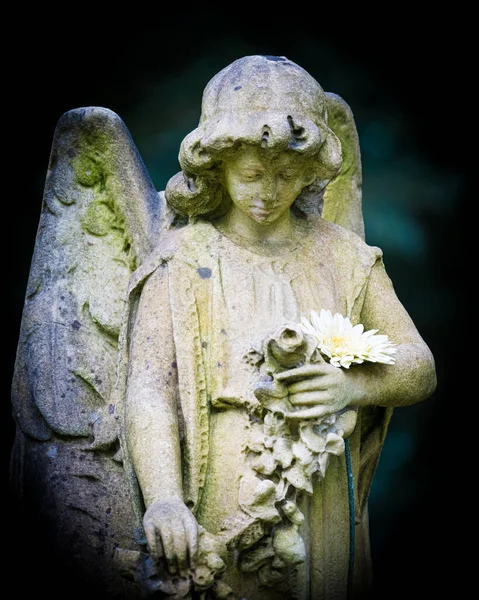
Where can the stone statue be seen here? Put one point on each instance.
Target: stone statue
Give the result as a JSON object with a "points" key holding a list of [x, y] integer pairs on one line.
{"points": [[205, 375]]}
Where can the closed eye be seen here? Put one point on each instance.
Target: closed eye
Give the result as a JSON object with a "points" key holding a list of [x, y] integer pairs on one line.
{"points": [[252, 175]]}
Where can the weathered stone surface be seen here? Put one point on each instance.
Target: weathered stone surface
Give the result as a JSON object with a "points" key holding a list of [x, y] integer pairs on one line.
{"points": [[179, 426], [99, 219]]}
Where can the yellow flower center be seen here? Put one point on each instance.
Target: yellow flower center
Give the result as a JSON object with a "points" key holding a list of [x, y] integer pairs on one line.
{"points": [[337, 341]]}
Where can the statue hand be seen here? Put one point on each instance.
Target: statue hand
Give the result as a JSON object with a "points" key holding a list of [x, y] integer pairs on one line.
{"points": [[319, 389], [172, 532]]}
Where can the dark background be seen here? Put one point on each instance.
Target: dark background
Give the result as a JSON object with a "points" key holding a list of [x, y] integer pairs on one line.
{"points": [[406, 83]]}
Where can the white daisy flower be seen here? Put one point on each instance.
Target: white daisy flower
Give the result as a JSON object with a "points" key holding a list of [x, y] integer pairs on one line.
{"points": [[345, 344]]}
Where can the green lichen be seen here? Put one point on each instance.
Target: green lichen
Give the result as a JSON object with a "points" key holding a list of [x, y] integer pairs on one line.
{"points": [[99, 218], [88, 171], [93, 164], [102, 218]]}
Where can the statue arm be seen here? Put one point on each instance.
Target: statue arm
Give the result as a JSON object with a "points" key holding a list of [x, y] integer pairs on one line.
{"points": [[151, 414], [318, 389], [413, 377], [152, 434]]}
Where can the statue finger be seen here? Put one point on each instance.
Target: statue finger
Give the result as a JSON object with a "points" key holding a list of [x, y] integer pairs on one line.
{"points": [[309, 370], [169, 548], [181, 550], [191, 531], [315, 412], [307, 385], [310, 397], [150, 534], [159, 546]]}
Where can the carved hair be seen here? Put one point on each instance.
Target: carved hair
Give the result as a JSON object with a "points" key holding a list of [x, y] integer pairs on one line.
{"points": [[257, 100]]}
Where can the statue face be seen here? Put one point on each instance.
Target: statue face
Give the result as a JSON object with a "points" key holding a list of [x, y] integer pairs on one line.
{"points": [[263, 185]]}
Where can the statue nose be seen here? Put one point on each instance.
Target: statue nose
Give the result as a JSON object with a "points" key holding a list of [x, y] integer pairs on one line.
{"points": [[268, 191]]}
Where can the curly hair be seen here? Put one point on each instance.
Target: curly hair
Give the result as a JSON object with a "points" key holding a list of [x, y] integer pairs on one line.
{"points": [[254, 102]]}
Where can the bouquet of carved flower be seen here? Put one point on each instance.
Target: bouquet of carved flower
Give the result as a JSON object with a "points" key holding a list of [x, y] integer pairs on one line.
{"points": [[286, 451]]}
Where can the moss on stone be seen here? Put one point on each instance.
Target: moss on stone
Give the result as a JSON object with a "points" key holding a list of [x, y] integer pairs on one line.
{"points": [[99, 218], [88, 171]]}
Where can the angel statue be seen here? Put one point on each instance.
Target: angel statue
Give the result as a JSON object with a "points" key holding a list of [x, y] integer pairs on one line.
{"points": [[205, 375]]}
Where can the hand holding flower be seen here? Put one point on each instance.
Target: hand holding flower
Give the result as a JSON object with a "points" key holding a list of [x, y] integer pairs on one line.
{"points": [[319, 389]]}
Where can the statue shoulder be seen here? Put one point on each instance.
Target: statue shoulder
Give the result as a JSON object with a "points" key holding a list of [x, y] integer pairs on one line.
{"points": [[344, 244], [184, 243]]}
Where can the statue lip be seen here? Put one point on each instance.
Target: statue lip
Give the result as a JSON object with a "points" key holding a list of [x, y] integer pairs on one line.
{"points": [[260, 215], [260, 210]]}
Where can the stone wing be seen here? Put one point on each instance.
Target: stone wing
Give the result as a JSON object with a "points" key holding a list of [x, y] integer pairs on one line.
{"points": [[343, 194], [99, 219]]}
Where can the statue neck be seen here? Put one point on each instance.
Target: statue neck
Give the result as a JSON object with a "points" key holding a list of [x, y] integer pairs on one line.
{"points": [[271, 238]]}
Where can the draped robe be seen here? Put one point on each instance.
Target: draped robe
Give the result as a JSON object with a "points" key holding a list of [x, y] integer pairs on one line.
{"points": [[224, 299]]}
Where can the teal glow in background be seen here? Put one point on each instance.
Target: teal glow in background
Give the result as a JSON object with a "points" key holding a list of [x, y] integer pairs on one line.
{"points": [[401, 86]]}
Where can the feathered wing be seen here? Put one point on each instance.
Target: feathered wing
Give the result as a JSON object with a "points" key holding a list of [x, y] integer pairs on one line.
{"points": [[343, 194], [100, 218]]}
